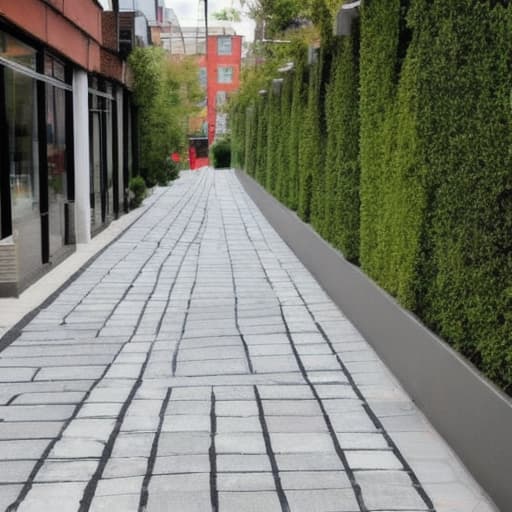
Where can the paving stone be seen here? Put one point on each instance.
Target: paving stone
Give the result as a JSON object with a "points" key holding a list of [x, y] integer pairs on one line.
{"points": [[133, 445], [242, 463], [177, 407], [33, 430], [99, 429], [69, 397], [236, 408], [297, 480], [99, 410], [15, 471], [339, 500], [240, 443], [67, 471], [245, 482], [23, 449], [296, 424], [126, 503], [301, 442], [233, 392], [70, 448], [320, 461], [396, 497], [119, 486], [269, 364], [44, 496], [238, 424], [291, 408], [191, 482], [186, 423], [36, 412], [119, 467], [217, 367], [70, 372], [140, 423], [182, 464], [373, 459], [249, 502], [183, 443], [181, 501]]}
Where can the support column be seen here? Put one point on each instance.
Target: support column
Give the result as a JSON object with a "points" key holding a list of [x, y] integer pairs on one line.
{"points": [[82, 156], [120, 150]]}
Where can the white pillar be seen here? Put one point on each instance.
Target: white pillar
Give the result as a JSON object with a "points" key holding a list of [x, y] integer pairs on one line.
{"points": [[120, 125], [81, 138]]}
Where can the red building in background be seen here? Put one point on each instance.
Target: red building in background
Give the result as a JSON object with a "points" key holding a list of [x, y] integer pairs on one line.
{"points": [[224, 55], [219, 73]]}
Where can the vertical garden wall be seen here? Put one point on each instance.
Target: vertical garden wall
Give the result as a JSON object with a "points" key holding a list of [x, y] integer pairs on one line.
{"points": [[397, 146]]}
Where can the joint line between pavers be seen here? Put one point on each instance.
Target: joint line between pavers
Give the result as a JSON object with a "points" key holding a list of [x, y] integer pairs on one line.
{"points": [[144, 493], [214, 493], [283, 500]]}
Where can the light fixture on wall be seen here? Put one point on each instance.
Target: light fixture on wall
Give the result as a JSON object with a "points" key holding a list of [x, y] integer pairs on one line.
{"points": [[277, 84], [345, 18], [286, 68]]}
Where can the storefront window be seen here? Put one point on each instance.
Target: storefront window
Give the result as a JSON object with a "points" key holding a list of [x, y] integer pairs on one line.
{"points": [[56, 151], [21, 114], [101, 157]]}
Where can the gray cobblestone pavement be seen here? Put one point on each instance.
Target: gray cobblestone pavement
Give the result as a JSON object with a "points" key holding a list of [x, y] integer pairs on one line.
{"points": [[197, 366]]}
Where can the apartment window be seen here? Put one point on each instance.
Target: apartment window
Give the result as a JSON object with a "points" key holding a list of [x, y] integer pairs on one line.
{"points": [[202, 77], [225, 75], [221, 98], [224, 46]]}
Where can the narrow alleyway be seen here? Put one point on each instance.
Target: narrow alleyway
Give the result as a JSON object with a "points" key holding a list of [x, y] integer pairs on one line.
{"points": [[196, 366]]}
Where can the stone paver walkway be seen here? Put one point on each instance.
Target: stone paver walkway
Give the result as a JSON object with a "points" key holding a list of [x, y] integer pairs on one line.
{"points": [[196, 366]]}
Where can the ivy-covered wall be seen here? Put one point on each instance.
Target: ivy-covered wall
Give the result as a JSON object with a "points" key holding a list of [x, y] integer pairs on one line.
{"points": [[397, 146]]}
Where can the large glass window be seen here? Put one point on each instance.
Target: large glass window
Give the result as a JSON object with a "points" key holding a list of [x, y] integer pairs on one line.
{"points": [[56, 152], [21, 115], [225, 75], [224, 46], [101, 157]]}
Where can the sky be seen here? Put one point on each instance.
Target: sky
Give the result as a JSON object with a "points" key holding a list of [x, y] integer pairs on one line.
{"points": [[187, 11]]}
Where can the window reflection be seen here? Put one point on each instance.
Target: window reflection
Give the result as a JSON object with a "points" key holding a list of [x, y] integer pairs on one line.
{"points": [[13, 50], [21, 114]]}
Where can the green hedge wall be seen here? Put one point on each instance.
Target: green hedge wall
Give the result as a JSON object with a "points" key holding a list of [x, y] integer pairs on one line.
{"points": [[397, 147]]}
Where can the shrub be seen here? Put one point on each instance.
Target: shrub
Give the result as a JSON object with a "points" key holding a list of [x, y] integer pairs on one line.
{"points": [[221, 153], [138, 190]]}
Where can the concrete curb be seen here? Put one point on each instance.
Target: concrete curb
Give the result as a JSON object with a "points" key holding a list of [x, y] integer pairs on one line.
{"points": [[473, 416]]}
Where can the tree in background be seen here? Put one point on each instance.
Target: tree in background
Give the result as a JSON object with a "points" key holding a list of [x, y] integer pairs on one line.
{"points": [[166, 93]]}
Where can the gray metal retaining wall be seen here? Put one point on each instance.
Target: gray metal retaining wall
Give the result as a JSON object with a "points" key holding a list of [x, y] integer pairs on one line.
{"points": [[472, 415]]}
